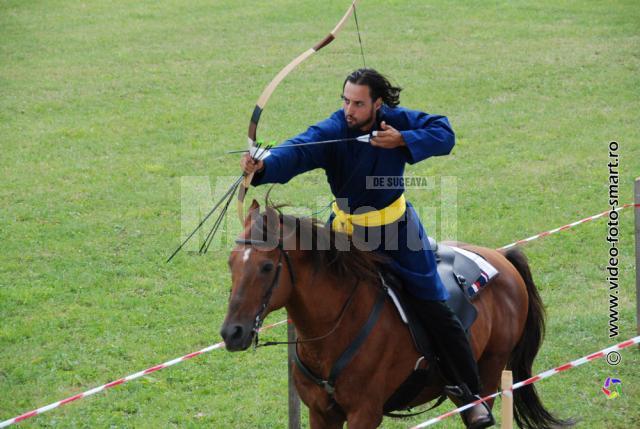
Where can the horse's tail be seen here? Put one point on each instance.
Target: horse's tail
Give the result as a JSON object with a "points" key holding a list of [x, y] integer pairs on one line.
{"points": [[529, 411]]}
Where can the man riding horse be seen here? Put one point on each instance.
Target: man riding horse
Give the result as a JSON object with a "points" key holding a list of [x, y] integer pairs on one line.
{"points": [[397, 136]]}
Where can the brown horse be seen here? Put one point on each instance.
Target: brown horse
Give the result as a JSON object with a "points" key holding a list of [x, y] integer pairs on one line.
{"points": [[318, 287]]}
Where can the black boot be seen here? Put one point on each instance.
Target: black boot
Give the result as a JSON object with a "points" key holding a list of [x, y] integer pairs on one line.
{"points": [[477, 417], [456, 357]]}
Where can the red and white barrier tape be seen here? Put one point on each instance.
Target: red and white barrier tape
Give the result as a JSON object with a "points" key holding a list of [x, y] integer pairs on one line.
{"points": [[119, 381], [535, 378], [570, 225]]}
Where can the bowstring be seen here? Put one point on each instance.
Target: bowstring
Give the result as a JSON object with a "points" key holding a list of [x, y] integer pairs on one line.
{"points": [[364, 64], [355, 17]]}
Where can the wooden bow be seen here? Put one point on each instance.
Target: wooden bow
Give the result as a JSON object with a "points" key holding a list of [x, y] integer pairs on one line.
{"points": [[266, 94]]}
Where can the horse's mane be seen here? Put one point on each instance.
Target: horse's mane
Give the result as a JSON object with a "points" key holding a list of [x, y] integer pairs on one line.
{"points": [[330, 251]]}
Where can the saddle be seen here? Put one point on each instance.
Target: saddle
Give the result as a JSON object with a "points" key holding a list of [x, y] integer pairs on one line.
{"points": [[463, 274]]}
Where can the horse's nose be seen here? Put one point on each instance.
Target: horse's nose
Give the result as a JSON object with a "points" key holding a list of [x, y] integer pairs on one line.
{"points": [[232, 335]]}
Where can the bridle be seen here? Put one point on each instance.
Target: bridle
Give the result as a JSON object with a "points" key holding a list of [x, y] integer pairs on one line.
{"points": [[259, 318]]}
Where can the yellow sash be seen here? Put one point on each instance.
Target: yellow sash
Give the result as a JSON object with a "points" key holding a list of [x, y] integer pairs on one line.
{"points": [[344, 222]]}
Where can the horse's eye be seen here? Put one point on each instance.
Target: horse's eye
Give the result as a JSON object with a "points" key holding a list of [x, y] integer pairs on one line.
{"points": [[267, 267]]}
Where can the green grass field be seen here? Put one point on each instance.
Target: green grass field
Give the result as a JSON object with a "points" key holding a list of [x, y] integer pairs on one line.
{"points": [[110, 111]]}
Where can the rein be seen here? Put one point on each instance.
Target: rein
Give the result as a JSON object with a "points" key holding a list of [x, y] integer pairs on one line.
{"points": [[321, 337]]}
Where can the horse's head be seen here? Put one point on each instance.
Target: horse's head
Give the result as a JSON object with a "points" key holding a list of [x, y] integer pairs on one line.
{"points": [[262, 276]]}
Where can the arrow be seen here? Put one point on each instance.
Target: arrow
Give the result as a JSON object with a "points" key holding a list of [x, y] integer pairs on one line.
{"points": [[366, 138]]}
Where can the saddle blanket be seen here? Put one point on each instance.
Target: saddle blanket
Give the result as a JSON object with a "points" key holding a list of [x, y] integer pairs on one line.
{"points": [[487, 271]]}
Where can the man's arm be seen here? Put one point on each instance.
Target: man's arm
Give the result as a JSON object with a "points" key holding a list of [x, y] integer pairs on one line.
{"points": [[288, 160], [426, 135]]}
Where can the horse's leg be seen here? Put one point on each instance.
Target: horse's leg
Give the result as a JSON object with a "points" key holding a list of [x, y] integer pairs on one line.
{"points": [[364, 418], [490, 367], [319, 420], [323, 413]]}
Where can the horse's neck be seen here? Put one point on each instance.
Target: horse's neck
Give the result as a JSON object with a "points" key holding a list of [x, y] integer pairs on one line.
{"points": [[316, 306], [315, 303]]}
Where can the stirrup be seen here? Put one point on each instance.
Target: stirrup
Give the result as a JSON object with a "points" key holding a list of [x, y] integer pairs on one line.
{"points": [[464, 394], [483, 422]]}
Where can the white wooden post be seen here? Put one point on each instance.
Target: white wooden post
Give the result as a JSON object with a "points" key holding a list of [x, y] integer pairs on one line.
{"points": [[507, 400]]}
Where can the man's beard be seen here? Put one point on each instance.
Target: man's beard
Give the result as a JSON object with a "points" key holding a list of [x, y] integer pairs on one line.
{"points": [[359, 125]]}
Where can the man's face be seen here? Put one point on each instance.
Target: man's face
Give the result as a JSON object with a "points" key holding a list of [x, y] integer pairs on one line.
{"points": [[359, 109]]}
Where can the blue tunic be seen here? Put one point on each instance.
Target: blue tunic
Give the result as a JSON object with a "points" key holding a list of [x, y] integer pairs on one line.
{"points": [[347, 166]]}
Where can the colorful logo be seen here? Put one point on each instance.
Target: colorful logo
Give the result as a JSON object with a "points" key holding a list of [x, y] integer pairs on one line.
{"points": [[612, 388]]}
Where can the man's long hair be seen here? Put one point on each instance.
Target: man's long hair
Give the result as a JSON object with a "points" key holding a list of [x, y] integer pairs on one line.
{"points": [[379, 86]]}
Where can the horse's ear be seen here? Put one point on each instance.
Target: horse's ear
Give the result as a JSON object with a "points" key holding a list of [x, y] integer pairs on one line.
{"points": [[253, 213]]}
